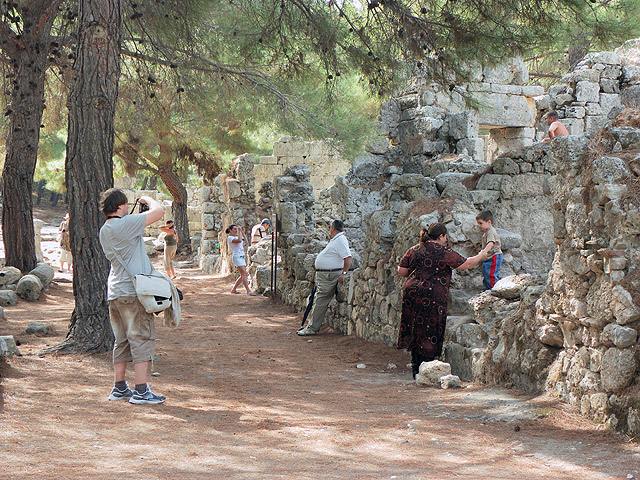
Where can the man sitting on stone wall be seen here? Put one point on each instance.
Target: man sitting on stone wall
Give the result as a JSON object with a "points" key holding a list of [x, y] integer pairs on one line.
{"points": [[556, 127], [332, 264]]}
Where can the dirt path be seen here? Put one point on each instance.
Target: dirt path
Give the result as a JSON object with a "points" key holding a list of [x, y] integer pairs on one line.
{"points": [[248, 399]]}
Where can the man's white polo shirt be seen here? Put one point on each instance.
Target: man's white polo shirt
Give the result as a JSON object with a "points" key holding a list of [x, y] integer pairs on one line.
{"points": [[333, 255]]}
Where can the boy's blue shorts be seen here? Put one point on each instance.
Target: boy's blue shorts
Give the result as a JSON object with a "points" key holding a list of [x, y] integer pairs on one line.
{"points": [[491, 271]]}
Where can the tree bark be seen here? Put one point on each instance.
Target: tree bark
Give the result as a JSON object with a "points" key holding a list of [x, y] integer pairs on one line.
{"points": [[178, 207], [29, 58], [89, 168]]}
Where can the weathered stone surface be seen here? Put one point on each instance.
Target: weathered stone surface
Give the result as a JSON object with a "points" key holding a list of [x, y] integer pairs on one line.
{"points": [[38, 328], [587, 91], [490, 181], [44, 272], [430, 372], [447, 178], [551, 335], [624, 308], [618, 335], [471, 335], [8, 346], [618, 369], [463, 125], [609, 170], [9, 276], [505, 166], [450, 381], [29, 287], [484, 197], [8, 298], [502, 110], [510, 287]]}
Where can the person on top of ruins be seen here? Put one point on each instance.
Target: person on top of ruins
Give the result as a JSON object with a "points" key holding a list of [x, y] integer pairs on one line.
{"points": [[556, 127], [428, 267], [170, 247], [490, 238], [332, 264], [65, 244], [260, 231], [121, 238], [235, 242]]}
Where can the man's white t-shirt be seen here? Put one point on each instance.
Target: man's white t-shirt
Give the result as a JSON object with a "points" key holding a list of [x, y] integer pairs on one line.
{"points": [[124, 237], [333, 255]]}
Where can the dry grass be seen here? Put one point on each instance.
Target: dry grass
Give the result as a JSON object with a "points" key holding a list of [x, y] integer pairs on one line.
{"points": [[629, 117]]}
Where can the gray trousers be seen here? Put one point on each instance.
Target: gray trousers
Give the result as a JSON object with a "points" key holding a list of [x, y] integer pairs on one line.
{"points": [[326, 283]]}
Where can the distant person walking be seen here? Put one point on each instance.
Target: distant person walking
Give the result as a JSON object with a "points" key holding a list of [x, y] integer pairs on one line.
{"points": [[121, 238], [556, 127], [170, 247], [428, 266], [332, 264], [235, 241], [65, 244]]}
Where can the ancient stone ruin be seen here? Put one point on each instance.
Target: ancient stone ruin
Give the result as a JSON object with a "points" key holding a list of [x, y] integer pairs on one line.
{"points": [[566, 317]]}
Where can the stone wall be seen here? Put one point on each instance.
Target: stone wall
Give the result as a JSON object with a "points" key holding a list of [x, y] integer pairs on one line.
{"points": [[321, 157]]}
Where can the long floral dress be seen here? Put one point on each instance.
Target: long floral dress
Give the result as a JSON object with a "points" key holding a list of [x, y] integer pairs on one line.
{"points": [[426, 293]]}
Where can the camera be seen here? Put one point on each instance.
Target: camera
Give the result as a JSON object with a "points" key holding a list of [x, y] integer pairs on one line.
{"points": [[143, 208]]}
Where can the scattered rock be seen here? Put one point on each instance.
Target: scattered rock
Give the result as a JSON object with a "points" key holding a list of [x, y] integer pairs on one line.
{"points": [[38, 328], [391, 366], [9, 276], [430, 373], [8, 298], [450, 381], [29, 287], [361, 365], [44, 272], [8, 346]]}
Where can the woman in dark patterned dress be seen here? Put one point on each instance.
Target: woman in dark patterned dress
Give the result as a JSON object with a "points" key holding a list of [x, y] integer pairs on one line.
{"points": [[428, 266]]}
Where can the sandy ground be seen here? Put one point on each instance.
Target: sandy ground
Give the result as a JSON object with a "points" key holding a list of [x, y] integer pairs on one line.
{"points": [[248, 399]]}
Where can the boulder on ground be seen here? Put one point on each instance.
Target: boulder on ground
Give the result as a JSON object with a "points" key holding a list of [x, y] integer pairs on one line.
{"points": [[29, 287], [430, 373], [38, 328], [8, 298], [44, 272], [9, 276], [450, 381], [8, 346]]}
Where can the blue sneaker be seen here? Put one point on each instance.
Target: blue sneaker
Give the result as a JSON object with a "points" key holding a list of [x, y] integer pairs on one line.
{"points": [[117, 394], [146, 398]]}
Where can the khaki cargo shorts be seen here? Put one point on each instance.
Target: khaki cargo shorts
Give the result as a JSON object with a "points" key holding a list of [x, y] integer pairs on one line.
{"points": [[134, 330]]}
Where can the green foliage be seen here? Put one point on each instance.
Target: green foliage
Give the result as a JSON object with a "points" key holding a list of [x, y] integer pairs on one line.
{"points": [[51, 155]]}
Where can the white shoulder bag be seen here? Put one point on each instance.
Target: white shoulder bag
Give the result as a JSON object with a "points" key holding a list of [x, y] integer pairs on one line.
{"points": [[152, 289]]}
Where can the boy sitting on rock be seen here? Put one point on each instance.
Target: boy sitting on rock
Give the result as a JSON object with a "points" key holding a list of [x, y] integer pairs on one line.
{"points": [[490, 266]]}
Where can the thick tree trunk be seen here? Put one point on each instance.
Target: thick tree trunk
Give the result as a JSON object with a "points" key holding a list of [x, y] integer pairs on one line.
{"points": [[178, 207], [27, 102], [89, 168]]}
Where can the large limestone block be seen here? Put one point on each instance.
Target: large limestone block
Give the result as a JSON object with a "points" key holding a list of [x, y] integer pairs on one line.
{"points": [[630, 97], [609, 170], [463, 125], [624, 308], [9, 276], [233, 188], [29, 287], [528, 185], [509, 240], [607, 58], [471, 335], [490, 181], [618, 368], [502, 110], [473, 147], [513, 71], [447, 178], [550, 334], [44, 272], [512, 286], [430, 373], [505, 166], [8, 298], [587, 91], [618, 335], [367, 166]]}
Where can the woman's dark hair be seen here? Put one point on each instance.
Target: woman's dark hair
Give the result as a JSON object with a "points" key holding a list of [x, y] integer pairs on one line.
{"points": [[168, 222], [111, 200], [434, 232], [229, 228]]}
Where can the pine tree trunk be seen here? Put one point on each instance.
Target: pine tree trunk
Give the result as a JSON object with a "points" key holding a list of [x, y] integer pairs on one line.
{"points": [[178, 207], [27, 104], [89, 168]]}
